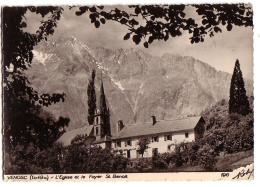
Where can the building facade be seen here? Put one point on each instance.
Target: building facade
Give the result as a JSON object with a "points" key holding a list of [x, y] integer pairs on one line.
{"points": [[163, 135]]}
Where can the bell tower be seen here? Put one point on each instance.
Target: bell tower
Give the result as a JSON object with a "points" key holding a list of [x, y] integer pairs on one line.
{"points": [[97, 126], [101, 123]]}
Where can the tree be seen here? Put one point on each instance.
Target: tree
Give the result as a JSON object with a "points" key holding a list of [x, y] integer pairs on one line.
{"points": [[238, 101], [104, 113], [21, 103], [142, 145], [91, 99], [148, 23], [82, 158]]}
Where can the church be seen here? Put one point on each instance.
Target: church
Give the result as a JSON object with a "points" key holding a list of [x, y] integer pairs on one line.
{"points": [[163, 135]]}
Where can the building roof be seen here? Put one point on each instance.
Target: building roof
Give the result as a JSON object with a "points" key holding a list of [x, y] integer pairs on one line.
{"points": [[101, 140], [66, 138], [164, 126], [135, 130]]}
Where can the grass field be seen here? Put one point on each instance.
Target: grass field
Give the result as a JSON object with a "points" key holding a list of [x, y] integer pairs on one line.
{"points": [[236, 160]]}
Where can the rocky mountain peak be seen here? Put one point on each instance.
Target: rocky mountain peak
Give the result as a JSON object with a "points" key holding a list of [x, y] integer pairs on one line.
{"points": [[136, 84]]}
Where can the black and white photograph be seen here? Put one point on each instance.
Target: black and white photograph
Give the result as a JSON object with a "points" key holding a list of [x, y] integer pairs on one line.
{"points": [[127, 89]]}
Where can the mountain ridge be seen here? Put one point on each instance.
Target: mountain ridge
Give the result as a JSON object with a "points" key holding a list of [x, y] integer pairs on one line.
{"points": [[137, 84]]}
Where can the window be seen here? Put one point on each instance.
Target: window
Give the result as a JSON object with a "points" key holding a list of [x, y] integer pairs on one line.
{"points": [[155, 151], [186, 135], [167, 137], [118, 143], [128, 153], [155, 139], [169, 147], [97, 120], [128, 143], [97, 131]]}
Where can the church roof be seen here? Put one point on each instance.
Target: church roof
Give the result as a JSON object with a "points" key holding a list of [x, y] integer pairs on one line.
{"points": [[66, 138], [163, 126]]}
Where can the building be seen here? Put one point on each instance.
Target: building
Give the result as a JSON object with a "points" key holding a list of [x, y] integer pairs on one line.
{"points": [[163, 135]]}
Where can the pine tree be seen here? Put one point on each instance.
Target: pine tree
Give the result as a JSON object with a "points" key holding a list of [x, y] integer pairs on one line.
{"points": [[238, 101], [91, 99], [104, 113]]}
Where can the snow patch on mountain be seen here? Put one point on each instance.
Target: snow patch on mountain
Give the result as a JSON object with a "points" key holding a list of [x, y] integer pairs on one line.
{"points": [[101, 67], [41, 57], [118, 84], [140, 92]]}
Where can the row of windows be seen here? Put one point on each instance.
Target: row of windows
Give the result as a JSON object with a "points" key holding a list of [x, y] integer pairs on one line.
{"points": [[127, 143], [154, 153], [153, 139]]}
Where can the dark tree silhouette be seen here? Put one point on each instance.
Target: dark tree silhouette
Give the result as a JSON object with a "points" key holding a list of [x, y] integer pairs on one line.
{"points": [[143, 145], [104, 113], [91, 99], [21, 103], [238, 101], [148, 23]]}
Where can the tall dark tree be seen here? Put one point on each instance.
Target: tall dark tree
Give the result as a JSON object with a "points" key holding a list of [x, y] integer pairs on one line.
{"points": [[238, 101], [91, 99], [104, 113], [21, 102]]}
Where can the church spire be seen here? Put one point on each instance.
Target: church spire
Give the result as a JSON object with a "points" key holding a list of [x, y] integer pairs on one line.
{"points": [[104, 112]]}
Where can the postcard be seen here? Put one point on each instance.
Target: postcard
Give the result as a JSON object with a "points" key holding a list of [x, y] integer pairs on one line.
{"points": [[124, 92]]}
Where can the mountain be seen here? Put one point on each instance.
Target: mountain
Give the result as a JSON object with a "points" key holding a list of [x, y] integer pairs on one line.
{"points": [[137, 84]]}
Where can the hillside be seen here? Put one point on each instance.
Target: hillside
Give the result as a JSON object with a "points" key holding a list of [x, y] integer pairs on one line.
{"points": [[217, 116], [137, 84], [229, 133]]}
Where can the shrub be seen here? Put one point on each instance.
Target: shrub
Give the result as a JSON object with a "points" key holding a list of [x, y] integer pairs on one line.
{"points": [[159, 162], [29, 159], [76, 158], [143, 164], [234, 116], [207, 157], [240, 137]]}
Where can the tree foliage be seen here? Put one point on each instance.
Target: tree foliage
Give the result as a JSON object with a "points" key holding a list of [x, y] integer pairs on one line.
{"points": [[104, 113], [148, 23], [143, 143], [91, 99], [21, 103], [76, 158], [238, 101], [84, 159]]}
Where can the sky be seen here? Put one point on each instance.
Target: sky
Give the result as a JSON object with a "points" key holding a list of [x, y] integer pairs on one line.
{"points": [[220, 51]]}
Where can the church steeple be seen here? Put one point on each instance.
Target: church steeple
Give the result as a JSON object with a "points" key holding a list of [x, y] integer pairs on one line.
{"points": [[104, 113]]}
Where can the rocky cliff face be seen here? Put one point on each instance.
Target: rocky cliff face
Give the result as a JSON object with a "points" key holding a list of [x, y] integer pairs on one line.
{"points": [[137, 85]]}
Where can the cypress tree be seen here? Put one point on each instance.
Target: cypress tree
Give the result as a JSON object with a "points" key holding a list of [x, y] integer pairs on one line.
{"points": [[91, 99], [104, 113], [238, 101]]}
